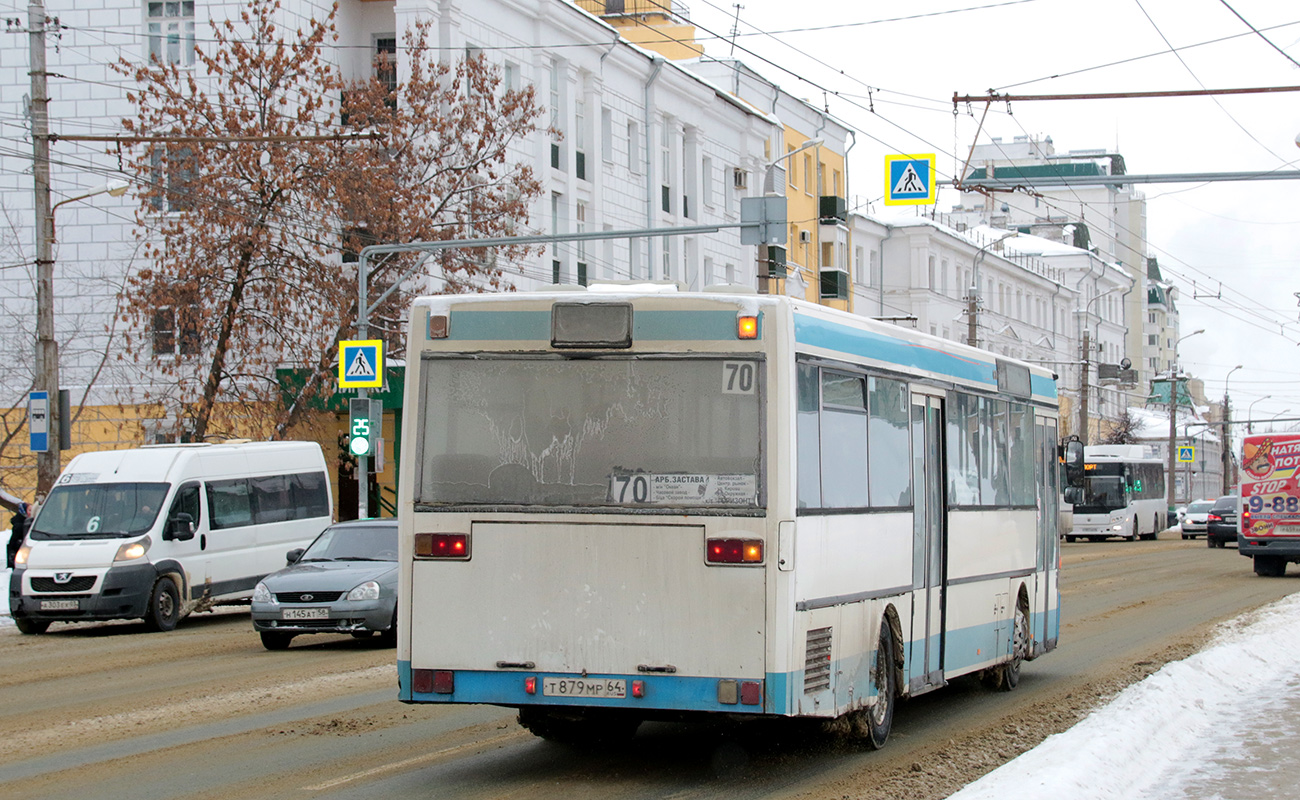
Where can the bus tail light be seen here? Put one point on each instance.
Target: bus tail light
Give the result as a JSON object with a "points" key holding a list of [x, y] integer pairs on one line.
{"points": [[746, 327], [1245, 520], [734, 551], [638, 689], [442, 545], [530, 684], [433, 681], [438, 327], [751, 693]]}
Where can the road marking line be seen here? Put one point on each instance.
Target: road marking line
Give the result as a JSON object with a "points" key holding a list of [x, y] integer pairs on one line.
{"points": [[397, 765]]}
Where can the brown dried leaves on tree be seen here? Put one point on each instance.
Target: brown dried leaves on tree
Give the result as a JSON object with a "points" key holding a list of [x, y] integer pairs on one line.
{"points": [[252, 245]]}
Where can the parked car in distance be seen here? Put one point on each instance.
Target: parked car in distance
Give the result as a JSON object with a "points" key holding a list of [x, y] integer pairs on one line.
{"points": [[1194, 518], [1221, 521], [344, 582]]}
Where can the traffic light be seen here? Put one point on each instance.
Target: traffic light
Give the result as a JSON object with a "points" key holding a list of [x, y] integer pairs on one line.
{"points": [[365, 426]]}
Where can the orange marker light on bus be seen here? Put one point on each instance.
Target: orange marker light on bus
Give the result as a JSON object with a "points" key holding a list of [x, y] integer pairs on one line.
{"points": [[746, 327], [733, 551]]}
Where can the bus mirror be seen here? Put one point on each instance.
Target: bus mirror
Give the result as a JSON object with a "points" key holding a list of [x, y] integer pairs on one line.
{"points": [[1074, 462], [1073, 495]]}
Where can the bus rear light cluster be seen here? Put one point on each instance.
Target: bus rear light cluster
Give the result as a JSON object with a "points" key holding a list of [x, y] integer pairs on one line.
{"points": [[433, 681], [530, 684], [733, 551], [442, 545], [749, 693], [746, 327]]}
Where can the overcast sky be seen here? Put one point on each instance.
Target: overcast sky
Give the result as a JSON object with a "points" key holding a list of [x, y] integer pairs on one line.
{"points": [[1233, 249]]}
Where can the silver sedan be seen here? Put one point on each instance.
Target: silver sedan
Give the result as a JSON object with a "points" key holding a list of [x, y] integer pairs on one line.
{"points": [[344, 582]]}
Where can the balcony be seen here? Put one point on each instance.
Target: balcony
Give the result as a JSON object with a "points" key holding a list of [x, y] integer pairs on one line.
{"points": [[834, 284], [832, 210]]}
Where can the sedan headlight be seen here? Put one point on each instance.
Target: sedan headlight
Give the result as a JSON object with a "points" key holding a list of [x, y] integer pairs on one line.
{"points": [[132, 550], [261, 594], [366, 591], [20, 558]]}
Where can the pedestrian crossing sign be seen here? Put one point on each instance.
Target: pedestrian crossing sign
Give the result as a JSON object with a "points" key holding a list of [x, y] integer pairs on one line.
{"points": [[1187, 454], [910, 180], [361, 363]]}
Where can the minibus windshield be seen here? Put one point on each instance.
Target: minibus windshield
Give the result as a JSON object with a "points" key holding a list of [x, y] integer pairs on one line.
{"points": [[99, 511]]}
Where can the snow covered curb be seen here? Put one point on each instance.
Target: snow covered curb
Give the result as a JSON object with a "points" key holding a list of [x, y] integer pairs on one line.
{"points": [[1128, 747]]}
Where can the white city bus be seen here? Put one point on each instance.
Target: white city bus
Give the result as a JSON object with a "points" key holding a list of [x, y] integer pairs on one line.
{"points": [[636, 503], [1123, 494]]}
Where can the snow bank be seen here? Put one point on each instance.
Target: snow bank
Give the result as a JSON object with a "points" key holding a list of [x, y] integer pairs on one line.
{"points": [[1153, 730]]}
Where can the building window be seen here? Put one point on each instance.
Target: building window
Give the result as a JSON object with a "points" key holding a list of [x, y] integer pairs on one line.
{"points": [[706, 181], [665, 166], [171, 32], [580, 139], [791, 177], [175, 330], [173, 176], [580, 226], [555, 114], [386, 66], [607, 135], [509, 76], [633, 148]]}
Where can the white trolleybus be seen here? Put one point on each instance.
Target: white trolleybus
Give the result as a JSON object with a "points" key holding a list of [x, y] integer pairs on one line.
{"points": [[632, 503], [1123, 494]]}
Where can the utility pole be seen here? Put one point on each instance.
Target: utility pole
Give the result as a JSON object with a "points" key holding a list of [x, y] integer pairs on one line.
{"points": [[47, 348], [1083, 387]]}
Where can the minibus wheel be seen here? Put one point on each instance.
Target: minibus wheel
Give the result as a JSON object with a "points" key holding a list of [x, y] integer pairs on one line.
{"points": [[32, 626], [164, 606]]}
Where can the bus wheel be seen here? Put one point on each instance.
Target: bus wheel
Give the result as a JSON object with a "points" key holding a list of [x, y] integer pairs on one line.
{"points": [[1270, 566], [164, 606], [1007, 676], [32, 626], [579, 728], [879, 719], [1069, 539]]}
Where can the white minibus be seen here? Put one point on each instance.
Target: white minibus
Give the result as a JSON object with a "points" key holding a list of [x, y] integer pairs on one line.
{"points": [[99, 548]]}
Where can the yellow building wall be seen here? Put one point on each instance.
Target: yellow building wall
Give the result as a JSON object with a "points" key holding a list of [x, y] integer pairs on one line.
{"points": [[649, 24], [116, 427]]}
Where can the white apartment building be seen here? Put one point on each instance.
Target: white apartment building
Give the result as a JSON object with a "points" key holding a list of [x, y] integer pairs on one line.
{"points": [[1111, 221], [645, 143]]}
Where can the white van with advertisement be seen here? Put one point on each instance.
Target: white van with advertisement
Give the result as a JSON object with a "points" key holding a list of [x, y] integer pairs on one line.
{"points": [[100, 548]]}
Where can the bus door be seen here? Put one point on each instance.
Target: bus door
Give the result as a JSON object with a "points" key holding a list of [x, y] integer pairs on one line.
{"points": [[1046, 474], [929, 540]]}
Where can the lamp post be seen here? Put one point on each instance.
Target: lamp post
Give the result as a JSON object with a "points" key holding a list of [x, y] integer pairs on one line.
{"points": [[49, 462], [1275, 416], [1226, 441], [1250, 413], [1173, 413], [972, 301]]}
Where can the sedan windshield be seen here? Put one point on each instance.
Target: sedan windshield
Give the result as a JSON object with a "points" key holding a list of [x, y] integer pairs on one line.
{"points": [[1199, 508], [99, 510], [354, 543], [641, 432]]}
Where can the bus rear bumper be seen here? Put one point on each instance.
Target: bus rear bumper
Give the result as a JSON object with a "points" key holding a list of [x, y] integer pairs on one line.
{"points": [[650, 692], [1288, 548]]}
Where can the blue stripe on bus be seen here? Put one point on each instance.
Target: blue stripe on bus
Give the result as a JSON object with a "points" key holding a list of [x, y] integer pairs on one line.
{"points": [[647, 325], [868, 344], [964, 649]]}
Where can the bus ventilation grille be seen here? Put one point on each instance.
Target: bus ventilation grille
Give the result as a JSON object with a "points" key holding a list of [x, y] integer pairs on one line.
{"points": [[817, 662]]}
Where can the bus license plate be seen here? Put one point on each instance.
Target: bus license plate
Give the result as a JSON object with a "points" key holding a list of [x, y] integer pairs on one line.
{"points": [[584, 687], [60, 605], [305, 613]]}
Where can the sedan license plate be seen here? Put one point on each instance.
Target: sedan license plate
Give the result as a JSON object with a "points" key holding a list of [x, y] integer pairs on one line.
{"points": [[60, 605], [305, 613], [584, 687]]}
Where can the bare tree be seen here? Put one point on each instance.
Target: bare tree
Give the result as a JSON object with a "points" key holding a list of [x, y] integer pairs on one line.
{"points": [[1123, 430], [249, 268]]}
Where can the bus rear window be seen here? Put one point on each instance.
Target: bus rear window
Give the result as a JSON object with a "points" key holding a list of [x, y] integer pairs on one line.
{"points": [[638, 432]]}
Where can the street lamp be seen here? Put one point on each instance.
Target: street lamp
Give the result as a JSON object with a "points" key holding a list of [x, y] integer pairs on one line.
{"points": [[1250, 413], [1226, 440], [1275, 416], [770, 189], [1173, 413], [972, 302], [49, 462]]}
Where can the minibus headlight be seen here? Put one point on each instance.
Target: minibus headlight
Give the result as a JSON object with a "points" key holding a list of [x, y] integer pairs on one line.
{"points": [[366, 591], [132, 550], [20, 558], [261, 594]]}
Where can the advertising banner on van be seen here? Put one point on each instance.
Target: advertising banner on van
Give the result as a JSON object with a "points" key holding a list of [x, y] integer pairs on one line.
{"points": [[1270, 485]]}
